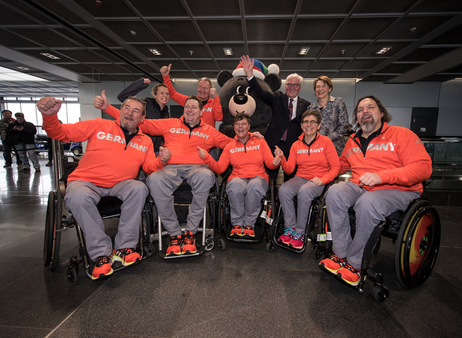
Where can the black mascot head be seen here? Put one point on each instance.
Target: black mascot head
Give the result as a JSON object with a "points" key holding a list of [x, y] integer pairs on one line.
{"points": [[236, 96]]}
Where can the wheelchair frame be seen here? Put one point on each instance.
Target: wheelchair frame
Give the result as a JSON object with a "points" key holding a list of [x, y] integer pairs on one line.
{"points": [[264, 219]]}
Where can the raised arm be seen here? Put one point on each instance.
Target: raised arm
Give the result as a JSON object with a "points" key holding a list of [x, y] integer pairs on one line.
{"points": [[133, 89], [174, 95]]}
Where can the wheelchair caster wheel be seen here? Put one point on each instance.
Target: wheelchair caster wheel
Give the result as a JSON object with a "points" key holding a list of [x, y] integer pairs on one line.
{"points": [[209, 245], [71, 275], [221, 244], [380, 293], [270, 247]]}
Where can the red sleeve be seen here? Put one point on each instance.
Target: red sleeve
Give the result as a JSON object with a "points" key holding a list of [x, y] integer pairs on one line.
{"points": [[152, 163], [77, 132], [333, 161], [221, 165], [216, 109], [219, 140], [114, 112], [289, 166], [174, 95], [268, 156]]}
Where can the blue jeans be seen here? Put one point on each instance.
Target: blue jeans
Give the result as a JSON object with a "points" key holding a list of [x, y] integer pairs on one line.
{"points": [[22, 149]]}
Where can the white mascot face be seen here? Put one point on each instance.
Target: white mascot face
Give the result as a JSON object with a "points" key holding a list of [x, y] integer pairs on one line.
{"points": [[242, 102]]}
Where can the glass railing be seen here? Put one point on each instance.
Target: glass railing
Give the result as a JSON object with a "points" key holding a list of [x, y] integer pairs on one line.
{"points": [[446, 154]]}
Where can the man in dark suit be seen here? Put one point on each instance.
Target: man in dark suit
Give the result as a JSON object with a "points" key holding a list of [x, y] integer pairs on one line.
{"points": [[287, 109]]}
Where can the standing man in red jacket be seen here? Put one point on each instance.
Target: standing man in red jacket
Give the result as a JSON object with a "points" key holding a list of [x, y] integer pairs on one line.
{"points": [[388, 165]]}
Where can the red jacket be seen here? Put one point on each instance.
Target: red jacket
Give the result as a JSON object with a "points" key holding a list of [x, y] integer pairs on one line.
{"points": [[319, 159], [247, 161], [211, 111], [108, 160], [397, 155], [179, 139]]}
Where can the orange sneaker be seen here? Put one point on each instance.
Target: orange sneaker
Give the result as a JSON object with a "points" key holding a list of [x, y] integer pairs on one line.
{"points": [[349, 274], [102, 268], [126, 256], [189, 243], [248, 231], [236, 231], [332, 264], [174, 246]]}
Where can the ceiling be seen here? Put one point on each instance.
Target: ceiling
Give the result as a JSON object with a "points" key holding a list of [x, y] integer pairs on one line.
{"points": [[112, 41]]}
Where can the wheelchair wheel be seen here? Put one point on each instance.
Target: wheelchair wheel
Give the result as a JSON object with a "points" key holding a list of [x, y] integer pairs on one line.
{"points": [[49, 229], [58, 214], [417, 244], [223, 212], [380, 293]]}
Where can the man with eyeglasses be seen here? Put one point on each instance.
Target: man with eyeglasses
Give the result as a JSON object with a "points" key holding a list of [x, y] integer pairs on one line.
{"points": [[287, 108]]}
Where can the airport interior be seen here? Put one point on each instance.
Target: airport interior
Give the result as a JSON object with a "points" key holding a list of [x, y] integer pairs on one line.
{"points": [[407, 53]]}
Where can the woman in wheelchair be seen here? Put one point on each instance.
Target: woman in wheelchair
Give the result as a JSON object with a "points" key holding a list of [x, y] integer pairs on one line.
{"points": [[317, 164], [248, 181]]}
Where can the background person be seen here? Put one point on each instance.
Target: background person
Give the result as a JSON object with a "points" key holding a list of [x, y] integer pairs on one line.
{"points": [[248, 182], [115, 152], [6, 120], [317, 164], [334, 123], [21, 135], [388, 165]]}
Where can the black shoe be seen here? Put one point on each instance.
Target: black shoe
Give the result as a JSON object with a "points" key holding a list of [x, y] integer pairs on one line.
{"points": [[7, 166], [49, 164]]}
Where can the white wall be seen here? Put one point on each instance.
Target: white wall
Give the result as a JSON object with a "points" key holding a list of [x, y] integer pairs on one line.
{"points": [[397, 98]]}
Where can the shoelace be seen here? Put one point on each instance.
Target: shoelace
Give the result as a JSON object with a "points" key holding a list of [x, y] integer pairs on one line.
{"points": [[102, 260], [298, 237], [337, 260], [352, 268], [189, 239], [289, 232], [174, 241], [125, 251]]}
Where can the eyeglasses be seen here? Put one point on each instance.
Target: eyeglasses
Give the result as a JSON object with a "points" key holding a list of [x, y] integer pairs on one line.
{"points": [[292, 85], [310, 122]]}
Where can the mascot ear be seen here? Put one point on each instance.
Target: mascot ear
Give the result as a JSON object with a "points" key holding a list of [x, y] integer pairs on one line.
{"points": [[224, 76], [274, 81]]}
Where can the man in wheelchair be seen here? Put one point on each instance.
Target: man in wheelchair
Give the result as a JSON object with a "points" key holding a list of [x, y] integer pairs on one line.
{"points": [[388, 164], [115, 152]]}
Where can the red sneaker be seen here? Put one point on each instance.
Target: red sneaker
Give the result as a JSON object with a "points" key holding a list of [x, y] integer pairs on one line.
{"points": [[297, 241], [332, 264], [189, 243], [286, 236], [236, 231], [350, 274], [248, 231], [174, 246], [126, 256], [102, 268]]}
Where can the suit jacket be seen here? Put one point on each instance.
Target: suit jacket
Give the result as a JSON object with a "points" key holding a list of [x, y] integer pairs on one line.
{"points": [[279, 103]]}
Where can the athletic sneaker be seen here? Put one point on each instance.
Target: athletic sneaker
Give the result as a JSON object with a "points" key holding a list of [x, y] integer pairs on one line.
{"points": [[126, 256], [248, 231], [189, 243], [349, 274], [297, 241], [7, 166], [286, 236], [236, 231], [174, 246], [332, 264], [102, 268]]}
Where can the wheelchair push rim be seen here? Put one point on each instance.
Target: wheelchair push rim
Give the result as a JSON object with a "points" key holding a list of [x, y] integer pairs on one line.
{"points": [[417, 245]]}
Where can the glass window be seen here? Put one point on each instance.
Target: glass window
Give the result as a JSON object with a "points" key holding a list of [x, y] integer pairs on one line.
{"points": [[30, 113], [73, 112]]}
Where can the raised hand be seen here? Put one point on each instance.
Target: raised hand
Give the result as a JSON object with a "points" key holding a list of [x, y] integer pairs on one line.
{"points": [[247, 63], [202, 152], [164, 154], [145, 80], [49, 105], [213, 92], [100, 102], [165, 71]]}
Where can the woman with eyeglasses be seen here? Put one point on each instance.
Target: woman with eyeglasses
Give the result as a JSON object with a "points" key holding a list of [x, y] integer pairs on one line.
{"points": [[333, 111], [317, 164]]}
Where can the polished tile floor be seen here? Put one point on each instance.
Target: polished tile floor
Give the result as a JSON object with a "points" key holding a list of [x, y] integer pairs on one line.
{"points": [[240, 292]]}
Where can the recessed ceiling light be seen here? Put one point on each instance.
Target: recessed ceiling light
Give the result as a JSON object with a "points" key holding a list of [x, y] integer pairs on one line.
{"points": [[23, 68], [155, 51], [228, 51], [51, 56], [303, 50], [133, 32], [383, 50]]}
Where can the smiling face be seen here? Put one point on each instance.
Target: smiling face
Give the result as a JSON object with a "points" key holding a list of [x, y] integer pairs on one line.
{"points": [[293, 87], [192, 112], [242, 128], [161, 95], [369, 116], [322, 90], [7, 115], [203, 90], [310, 125], [131, 115]]}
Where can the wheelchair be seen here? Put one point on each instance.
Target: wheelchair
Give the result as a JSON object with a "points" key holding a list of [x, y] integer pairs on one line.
{"points": [[58, 219], [416, 233], [182, 198], [262, 225], [316, 216]]}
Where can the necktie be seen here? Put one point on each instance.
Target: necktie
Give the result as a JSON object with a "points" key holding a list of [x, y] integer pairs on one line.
{"points": [[291, 110]]}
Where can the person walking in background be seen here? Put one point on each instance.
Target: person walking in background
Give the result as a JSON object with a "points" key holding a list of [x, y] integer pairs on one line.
{"points": [[7, 119], [21, 134]]}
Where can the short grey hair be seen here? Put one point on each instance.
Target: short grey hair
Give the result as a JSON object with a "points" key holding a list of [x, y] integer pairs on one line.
{"points": [[300, 79]]}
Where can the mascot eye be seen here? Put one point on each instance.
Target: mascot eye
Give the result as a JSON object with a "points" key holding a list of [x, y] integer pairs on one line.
{"points": [[238, 90], [248, 90]]}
